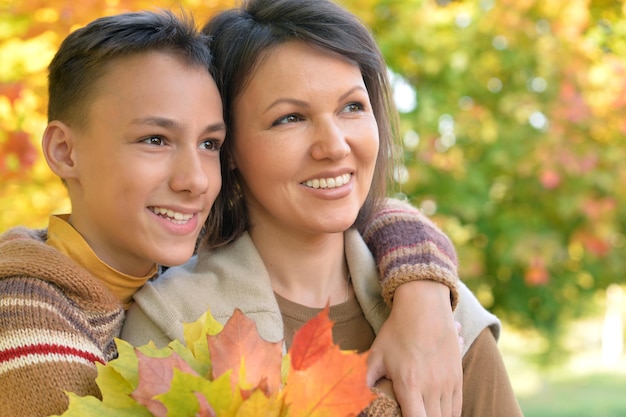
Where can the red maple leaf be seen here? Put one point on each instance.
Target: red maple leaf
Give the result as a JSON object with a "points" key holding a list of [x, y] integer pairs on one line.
{"points": [[312, 341]]}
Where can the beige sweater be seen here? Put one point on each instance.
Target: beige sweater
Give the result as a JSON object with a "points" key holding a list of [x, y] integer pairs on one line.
{"points": [[235, 277]]}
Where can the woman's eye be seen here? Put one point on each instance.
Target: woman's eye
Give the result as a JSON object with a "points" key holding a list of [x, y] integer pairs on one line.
{"points": [[353, 107], [154, 140], [290, 118]]}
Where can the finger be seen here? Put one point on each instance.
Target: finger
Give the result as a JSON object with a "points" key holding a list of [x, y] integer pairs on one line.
{"points": [[411, 405], [457, 402], [375, 368], [446, 405]]}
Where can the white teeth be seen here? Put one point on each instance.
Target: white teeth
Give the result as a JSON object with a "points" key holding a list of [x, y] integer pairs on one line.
{"points": [[173, 216], [328, 182]]}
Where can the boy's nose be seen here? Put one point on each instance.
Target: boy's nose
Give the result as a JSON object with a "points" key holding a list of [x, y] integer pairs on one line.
{"points": [[189, 174]]}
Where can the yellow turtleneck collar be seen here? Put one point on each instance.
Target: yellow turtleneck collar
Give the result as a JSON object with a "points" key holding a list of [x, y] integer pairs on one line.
{"points": [[63, 237]]}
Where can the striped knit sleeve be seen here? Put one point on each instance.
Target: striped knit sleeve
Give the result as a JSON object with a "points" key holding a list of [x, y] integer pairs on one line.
{"points": [[45, 349], [408, 246]]}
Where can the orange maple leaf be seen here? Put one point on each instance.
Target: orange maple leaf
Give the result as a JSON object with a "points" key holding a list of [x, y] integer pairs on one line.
{"points": [[155, 377], [311, 341], [239, 347], [324, 381]]}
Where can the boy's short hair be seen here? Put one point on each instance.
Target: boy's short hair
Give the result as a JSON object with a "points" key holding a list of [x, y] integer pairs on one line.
{"points": [[85, 55]]}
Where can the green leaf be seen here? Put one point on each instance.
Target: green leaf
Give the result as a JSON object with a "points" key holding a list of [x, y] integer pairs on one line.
{"points": [[181, 399], [202, 364], [195, 335], [90, 406], [114, 387], [126, 363]]}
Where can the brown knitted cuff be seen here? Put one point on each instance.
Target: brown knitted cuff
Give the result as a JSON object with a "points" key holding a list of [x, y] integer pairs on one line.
{"points": [[382, 406], [409, 273], [408, 246]]}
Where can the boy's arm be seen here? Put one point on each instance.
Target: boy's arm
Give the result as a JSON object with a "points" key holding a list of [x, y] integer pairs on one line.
{"points": [[408, 246], [43, 350], [417, 347]]}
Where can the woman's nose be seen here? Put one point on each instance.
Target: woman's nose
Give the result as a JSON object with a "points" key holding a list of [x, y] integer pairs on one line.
{"points": [[330, 141]]}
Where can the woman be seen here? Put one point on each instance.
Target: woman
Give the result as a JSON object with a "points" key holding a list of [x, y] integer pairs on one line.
{"points": [[306, 97]]}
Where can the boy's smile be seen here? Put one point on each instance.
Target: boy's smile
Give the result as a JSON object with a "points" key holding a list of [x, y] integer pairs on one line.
{"points": [[146, 165]]}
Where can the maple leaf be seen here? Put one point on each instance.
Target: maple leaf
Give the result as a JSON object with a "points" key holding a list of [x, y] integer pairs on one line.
{"points": [[182, 398], [205, 408], [261, 405], [246, 378], [311, 341], [195, 335], [335, 385], [90, 406], [188, 397], [325, 381], [115, 389], [240, 348], [155, 377]]}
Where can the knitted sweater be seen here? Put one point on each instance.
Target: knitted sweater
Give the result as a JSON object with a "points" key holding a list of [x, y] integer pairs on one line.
{"points": [[56, 321], [408, 246]]}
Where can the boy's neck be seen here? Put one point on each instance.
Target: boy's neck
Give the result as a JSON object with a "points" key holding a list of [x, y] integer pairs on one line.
{"points": [[63, 237]]}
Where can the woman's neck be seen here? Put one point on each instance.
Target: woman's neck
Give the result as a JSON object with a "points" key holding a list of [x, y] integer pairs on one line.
{"points": [[306, 269]]}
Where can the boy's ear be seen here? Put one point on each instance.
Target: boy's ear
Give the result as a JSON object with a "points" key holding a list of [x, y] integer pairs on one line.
{"points": [[58, 148], [231, 163]]}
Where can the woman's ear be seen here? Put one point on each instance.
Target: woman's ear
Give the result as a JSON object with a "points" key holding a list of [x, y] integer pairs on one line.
{"points": [[58, 148]]}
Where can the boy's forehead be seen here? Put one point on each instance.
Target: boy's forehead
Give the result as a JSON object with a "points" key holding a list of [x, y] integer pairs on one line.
{"points": [[147, 66], [151, 84]]}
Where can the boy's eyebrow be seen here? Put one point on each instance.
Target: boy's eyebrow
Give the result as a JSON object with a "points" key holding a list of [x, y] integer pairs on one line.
{"points": [[169, 123]]}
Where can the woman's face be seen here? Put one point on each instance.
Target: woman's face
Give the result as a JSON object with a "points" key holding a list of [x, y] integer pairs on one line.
{"points": [[305, 140]]}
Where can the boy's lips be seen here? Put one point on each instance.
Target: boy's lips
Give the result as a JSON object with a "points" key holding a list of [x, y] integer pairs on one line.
{"points": [[172, 215]]}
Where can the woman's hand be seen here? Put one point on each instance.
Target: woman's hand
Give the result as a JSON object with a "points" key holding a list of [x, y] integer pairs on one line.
{"points": [[418, 348]]}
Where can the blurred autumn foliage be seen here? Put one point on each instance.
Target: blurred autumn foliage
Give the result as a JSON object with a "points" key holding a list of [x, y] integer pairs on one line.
{"points": [[513, 127]]}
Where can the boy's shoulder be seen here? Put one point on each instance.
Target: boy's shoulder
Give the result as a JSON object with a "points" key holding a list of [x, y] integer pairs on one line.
{"points": [[20, 234], [26, 257], [24, 252]]}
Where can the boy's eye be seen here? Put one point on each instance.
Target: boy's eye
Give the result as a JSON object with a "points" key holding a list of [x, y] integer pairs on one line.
{"points": [[212, 145], [290, 118], [154, 140]]}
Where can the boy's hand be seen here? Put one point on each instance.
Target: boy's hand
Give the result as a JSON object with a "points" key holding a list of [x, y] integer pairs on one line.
{"points": [[418, 349]]}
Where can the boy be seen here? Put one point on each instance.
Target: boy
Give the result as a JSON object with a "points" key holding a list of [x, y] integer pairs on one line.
{"points": [[135, 127]]}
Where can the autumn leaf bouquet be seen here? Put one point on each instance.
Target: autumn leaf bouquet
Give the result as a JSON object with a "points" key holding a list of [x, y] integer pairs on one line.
{"points": [[228, 371]]}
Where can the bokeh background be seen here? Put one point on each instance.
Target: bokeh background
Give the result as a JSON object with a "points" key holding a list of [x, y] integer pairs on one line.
{"points": [[513, 130]]}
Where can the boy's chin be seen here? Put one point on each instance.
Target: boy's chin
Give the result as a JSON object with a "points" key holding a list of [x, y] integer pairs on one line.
{"points": [[175, 259]]}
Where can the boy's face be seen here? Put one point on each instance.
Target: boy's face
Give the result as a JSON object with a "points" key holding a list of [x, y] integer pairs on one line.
{"points": [[147, 167]]}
